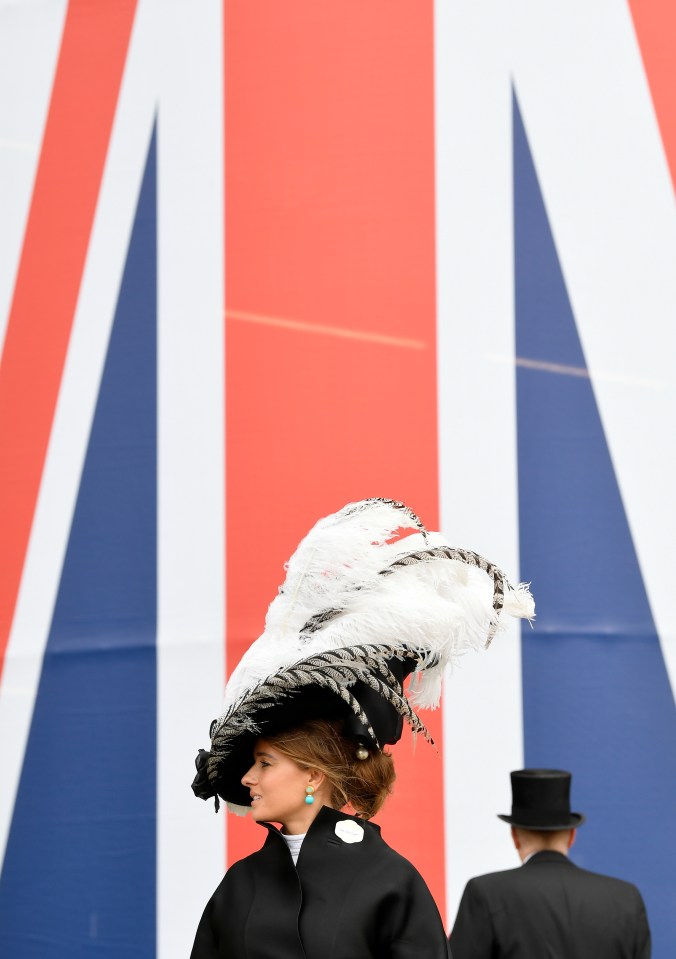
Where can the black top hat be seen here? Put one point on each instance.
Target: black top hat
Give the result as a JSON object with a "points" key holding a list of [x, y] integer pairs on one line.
{"points": [[541, 800]]}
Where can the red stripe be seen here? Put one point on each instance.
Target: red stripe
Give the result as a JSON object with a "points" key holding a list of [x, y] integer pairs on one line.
{"points": [[330, 294], [84, 96], [655, 24]]}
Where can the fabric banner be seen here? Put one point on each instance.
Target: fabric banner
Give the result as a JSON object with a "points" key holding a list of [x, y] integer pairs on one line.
{"points": [[260, 260]]}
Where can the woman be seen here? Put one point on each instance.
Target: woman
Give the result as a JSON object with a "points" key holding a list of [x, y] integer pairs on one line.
{"points": [[326, 885], [370, 596]]}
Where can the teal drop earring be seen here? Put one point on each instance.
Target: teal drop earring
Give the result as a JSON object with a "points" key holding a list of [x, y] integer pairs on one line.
{"points": [[309, 799]]}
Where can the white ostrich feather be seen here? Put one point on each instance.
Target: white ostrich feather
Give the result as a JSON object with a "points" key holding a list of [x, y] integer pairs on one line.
{"points": [[355, 580]]}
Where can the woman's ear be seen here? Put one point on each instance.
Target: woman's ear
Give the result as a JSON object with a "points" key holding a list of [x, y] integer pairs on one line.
{"points": [[316, 778]]}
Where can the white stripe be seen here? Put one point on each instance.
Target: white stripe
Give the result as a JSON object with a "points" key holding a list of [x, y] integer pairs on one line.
{"points": [[483, 737], [191, 551], [610, 201], [30, 38], [72, 422]]}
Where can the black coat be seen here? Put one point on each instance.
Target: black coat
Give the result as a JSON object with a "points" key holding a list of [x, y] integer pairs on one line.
{"points": [[550, 909], [358, 900]]}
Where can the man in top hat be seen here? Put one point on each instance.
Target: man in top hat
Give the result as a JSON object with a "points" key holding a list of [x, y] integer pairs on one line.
{"points": [[548, 907]]}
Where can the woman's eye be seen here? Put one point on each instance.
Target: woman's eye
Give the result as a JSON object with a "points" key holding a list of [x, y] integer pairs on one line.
{"points": [[263, 763]]}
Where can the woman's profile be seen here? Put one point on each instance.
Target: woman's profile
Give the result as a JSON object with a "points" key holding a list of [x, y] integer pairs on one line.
{"points": [[370, 596]]}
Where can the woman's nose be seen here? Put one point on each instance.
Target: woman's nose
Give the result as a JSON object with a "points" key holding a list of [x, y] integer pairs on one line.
{"points": [[248, 777]]}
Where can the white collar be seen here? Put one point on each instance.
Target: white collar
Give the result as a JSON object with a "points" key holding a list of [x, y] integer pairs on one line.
{"points": [[294, 843]]}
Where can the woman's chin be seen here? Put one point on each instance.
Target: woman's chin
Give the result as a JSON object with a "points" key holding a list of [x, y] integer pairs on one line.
{"points": [[258, 813]]}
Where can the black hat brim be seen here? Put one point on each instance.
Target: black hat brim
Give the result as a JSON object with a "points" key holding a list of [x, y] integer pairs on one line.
{"points": [[570, 821], [313, 702]]}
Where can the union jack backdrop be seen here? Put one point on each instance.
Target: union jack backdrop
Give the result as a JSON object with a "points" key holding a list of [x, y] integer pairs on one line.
{"points": [[259, 259]]}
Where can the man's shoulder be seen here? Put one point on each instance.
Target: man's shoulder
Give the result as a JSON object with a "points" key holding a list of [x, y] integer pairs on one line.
{"points": [[580, 874], [543, 867], [493, 880], [533, 870], [615, 886]]}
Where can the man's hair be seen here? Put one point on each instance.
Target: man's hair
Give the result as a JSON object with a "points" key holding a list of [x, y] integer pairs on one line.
{"points": [[546, 838]]}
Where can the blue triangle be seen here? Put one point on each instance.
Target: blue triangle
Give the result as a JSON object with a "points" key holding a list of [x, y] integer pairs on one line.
{"points": [[597, 698], [79, 872]]}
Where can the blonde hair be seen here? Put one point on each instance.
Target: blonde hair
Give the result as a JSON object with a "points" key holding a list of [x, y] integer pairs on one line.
{"points": [[319, 744]]}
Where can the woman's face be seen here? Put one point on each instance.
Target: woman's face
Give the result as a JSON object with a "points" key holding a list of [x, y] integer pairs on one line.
{"points": [[277, 787]]}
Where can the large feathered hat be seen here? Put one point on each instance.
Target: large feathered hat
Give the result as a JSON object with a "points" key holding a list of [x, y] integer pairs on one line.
{"points": [[370, 596]]}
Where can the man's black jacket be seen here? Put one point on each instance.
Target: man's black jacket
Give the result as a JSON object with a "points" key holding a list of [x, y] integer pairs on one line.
{"points": [[550, 909]]}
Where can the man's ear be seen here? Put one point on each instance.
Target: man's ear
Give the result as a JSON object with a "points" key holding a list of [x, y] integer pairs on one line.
{"points": [[515, 838], [571, 837]]}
